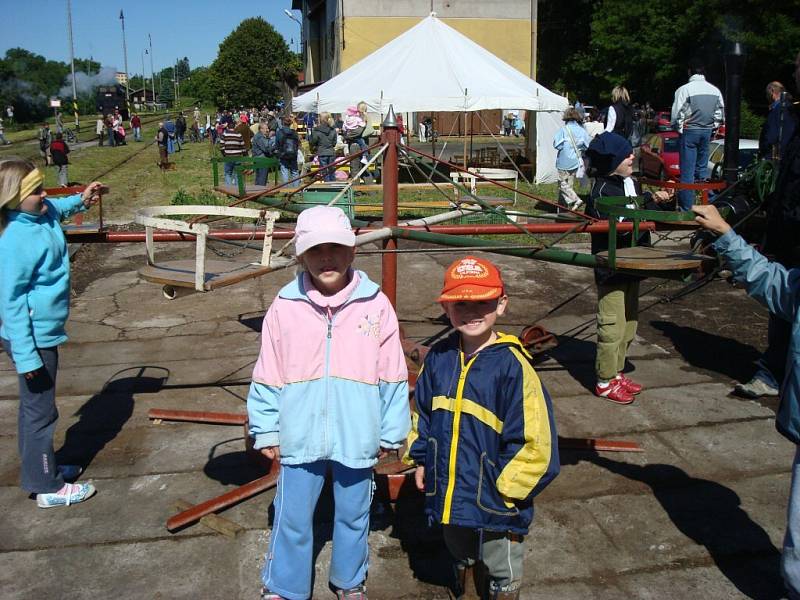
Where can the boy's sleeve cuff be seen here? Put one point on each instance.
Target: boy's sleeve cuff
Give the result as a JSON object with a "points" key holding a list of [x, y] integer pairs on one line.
{"points": [[724, 241], [267, 440]]}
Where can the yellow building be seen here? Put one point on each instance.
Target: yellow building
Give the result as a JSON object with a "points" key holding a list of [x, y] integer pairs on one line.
{"points": [[338, 33]]}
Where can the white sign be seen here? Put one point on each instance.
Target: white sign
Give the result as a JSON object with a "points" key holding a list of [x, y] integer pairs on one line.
{"points": [[55, 103]]}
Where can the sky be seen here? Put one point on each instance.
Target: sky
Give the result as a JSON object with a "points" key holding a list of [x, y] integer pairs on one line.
{"points": [[191, 28]]}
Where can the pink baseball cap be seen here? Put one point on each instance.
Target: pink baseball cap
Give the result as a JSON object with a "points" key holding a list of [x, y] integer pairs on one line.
{"points": [[322, 225]]}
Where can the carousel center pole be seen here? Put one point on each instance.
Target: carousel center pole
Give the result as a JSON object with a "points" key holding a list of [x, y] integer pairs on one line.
{"points": [[390, 179]]}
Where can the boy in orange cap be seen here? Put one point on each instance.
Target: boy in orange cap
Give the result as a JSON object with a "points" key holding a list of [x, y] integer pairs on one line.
{"points": [[483, 437]]}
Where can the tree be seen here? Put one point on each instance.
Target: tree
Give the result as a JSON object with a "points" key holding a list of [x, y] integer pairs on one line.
{"points": [[251, 65], [199, 85], [166, 93], [183, 69]]}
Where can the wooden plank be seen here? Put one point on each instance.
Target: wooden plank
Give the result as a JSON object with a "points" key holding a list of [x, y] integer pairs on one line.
{"points": [[214, 522], [654, 259], [181, 273]]}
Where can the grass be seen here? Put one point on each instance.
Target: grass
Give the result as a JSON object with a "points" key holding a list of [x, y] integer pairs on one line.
{"points": [[135, 181]]}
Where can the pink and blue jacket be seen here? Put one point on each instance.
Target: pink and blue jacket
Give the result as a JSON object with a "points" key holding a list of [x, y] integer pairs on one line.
{"points": [[331, 381]]}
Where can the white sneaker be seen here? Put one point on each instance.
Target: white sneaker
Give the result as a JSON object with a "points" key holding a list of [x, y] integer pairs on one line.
{"points": [[755, 388], [577, 205], [364, 160], [71, 493]]}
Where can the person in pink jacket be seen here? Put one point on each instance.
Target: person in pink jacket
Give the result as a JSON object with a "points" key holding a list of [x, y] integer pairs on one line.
{"points": [[329, 394]]}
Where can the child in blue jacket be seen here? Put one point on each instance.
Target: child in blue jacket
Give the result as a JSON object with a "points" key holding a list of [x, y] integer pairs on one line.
{"points": [[34, 305], [483, 436]]}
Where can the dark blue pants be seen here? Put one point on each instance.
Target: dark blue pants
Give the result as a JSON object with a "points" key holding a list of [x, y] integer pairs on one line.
{"points": [[693, 151], [324, 161], [37, 424]]}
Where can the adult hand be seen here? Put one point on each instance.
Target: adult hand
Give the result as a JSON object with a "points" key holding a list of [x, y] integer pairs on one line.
{"points": [[272, 452], [419, 478], [91, 195], [709, 218]]}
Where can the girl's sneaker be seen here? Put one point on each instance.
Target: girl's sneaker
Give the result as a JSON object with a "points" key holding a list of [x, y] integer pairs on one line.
{"points": [[356, 593], [71, 493], [267, 595]]}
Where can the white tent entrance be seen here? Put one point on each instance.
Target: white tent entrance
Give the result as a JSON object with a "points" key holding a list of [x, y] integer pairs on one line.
{"points": [[433, 67]]}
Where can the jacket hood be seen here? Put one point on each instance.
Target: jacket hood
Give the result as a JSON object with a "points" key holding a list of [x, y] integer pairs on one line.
{"points": [[295, 290], [503, 341]]}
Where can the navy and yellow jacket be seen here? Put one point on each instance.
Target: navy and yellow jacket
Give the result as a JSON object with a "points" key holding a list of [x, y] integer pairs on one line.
{"points": [[484, 431]]}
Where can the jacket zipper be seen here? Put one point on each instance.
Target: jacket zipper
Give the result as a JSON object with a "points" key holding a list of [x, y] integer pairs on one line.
{"points": [[329, 322]]}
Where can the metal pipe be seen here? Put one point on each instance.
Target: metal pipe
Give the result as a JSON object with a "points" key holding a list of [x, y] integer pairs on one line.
{"points": [[390, 179], [121, 237], [734, 65], [197, 416], [547, 254], [224, 501]]}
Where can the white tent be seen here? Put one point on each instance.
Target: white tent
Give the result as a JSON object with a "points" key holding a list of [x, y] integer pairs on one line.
{"points": [[433, 67]]}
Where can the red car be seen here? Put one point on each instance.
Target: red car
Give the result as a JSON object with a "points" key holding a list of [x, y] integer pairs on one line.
{"points": [[663, 120], [659, 157]]}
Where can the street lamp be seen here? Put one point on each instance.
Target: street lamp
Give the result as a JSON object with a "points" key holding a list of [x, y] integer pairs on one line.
{"points": [[289, 14]]}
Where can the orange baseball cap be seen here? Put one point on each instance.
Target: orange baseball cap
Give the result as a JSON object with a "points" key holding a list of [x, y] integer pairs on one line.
{"points": [[471, 278]]}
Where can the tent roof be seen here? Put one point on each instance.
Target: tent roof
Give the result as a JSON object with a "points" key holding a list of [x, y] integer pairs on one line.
{"points": [[430, 67]]}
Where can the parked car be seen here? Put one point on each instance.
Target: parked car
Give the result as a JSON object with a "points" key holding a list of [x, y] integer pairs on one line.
{"points": [[663, 120], [748, 152], [658, 158]]}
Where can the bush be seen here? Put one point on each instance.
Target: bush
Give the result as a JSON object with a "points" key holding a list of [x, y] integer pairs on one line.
{"points": [[205, 197], [749, 123]]}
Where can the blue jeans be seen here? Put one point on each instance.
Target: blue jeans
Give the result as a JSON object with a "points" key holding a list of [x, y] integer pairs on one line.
{"points": [[287, 570], [230, 174], [137, 134], [289, 171], [36, 425], [790, 559], [693, 150], [324, 161], [771, 366]]}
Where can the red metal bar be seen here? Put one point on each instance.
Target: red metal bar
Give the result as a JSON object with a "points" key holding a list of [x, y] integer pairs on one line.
{"points": [[704, 186], [390, 180], [197, 416], [163, 236], [597, 444], [244, 492]]}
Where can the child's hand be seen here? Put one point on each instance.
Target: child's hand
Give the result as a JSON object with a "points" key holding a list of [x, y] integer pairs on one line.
{"points": [[30, 374], [91, 195], [272, 452], [384, 452], [419, 478], [663, 196], [709, 218]]}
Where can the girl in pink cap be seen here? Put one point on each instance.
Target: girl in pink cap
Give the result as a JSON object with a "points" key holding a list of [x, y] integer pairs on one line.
{"points": [[329, 395]]}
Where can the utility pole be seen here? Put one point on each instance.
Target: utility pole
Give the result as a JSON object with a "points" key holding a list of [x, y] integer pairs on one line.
{"points": [[175, 81], [125, 53], [144, 81], [72, 66], [152, 72]]}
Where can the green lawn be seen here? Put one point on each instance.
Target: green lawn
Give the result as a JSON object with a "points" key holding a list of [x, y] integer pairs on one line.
{"points": [[133, 176]]}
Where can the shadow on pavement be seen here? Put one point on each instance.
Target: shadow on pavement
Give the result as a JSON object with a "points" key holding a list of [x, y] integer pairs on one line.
{"points": [[709, 351], [711, 515], [102, 417]]}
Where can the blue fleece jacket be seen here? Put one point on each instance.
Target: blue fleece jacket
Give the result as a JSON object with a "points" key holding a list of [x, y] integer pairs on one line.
{"points": [[34, 280]]}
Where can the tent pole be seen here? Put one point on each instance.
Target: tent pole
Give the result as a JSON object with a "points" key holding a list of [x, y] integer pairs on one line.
{"points": [[465, 139], [390, 179]]}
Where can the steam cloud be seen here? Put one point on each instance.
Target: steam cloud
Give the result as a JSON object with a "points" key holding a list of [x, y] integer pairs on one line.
{"points": [[86, 83]]}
